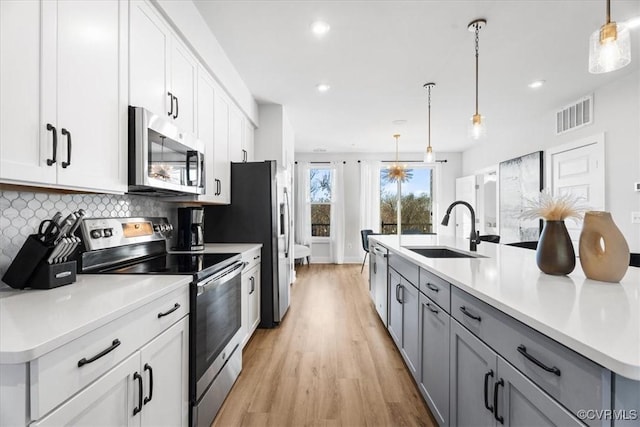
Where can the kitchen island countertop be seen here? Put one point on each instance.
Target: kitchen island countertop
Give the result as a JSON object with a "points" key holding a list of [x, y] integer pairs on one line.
{"points": [[599, 320]]}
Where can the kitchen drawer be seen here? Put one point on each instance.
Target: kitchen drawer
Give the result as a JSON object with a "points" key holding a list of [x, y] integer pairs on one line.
{"points": [[435, 288], [407, 269], [251, 259], [56, 375], [573, 380]]}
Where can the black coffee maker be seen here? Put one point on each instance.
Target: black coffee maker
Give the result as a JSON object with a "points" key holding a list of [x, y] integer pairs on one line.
{"points": [[190, 229]]}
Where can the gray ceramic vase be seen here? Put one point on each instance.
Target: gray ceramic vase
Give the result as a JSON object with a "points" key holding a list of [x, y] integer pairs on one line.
{"points": [[555, 254]]}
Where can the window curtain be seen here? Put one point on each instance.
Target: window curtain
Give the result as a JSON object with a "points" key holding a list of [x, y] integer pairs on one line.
{"points": [[303, 205], [370, 195], [337, 213]]}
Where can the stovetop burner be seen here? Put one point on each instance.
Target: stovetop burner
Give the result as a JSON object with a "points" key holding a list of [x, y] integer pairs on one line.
{"points": [[174, 264]]}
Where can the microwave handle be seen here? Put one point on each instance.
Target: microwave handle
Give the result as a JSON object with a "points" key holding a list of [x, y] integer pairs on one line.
{"points": [[190, 154]]}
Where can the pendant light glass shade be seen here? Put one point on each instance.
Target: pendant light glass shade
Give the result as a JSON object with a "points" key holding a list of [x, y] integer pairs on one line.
{"points": [[477, 127], [609, 48], [428, 156]]}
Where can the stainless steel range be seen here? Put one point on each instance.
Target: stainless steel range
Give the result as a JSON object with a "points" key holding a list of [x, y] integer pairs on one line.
{"points": [[138, 246]]}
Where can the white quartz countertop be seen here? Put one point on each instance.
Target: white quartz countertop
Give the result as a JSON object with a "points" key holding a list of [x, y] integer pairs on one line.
{"points": [[34, 322], [599, 320]]}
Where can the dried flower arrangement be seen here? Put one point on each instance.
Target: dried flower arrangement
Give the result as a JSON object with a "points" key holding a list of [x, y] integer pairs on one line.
{"points": [[554, 208]]}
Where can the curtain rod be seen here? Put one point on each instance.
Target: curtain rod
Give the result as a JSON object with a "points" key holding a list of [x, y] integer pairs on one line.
{"points": [[383, 161]]}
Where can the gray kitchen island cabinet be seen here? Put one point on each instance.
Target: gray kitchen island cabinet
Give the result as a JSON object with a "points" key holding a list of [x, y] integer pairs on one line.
{"points": [[403, 319], [434, 358], [488, 391]]}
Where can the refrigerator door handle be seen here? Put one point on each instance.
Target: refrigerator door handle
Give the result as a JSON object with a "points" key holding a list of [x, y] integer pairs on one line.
{"points": [[288, 220]]}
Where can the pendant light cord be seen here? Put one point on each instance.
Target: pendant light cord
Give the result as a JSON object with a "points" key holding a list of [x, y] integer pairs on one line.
{"points": [[477, 55], [608, 11]]}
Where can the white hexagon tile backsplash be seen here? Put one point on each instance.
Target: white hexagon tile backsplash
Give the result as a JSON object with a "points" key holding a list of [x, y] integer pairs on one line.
{"points": [[22, 211]]}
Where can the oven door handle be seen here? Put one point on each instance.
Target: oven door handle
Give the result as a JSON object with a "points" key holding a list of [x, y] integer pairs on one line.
{"points": [[222, 277]]}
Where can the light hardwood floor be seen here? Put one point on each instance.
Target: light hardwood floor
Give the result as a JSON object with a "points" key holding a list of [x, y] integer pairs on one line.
{"points": [[330, 362]]}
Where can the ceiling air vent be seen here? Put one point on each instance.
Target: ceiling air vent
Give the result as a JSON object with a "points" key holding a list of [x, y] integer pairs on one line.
{"points": [[575, 115]]}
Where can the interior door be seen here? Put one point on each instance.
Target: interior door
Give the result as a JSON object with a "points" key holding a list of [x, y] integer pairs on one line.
{"points": [[579, 171]]}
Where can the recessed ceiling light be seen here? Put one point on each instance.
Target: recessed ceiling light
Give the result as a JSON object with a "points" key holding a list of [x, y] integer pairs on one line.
{"points": [[399, 122], [323, 87], [536, 84], [320, 28]]}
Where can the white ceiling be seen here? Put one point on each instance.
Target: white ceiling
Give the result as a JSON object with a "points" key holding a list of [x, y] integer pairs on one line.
{"points": [[378, 55]]}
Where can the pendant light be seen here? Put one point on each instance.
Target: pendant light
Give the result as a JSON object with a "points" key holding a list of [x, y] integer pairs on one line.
{"points": [[396, 171], [609, 47], [428, 155], [477, 127]]}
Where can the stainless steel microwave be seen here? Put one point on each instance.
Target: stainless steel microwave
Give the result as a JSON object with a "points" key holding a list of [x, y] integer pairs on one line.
{"points": [[163, 160]]}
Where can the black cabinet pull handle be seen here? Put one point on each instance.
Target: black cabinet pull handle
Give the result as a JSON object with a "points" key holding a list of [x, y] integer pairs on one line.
{"points": [[52, 128], [85, 361], [219, 187], [171, 310], [375, 271], [433, 287], [170, 95], [498, 418], [253, 284], [147, 399], [463, 309], [486, 383], [176, 115], [137, 409], [523, 351], [68, 134], [431, 309]]}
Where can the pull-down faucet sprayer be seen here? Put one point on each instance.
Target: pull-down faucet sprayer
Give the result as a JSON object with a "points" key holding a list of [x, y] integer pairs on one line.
{"points": [[474, 237]]}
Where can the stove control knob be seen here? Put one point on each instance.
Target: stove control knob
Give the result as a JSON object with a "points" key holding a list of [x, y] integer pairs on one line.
{"points": [[170, 227], [96, 234], [107, 232], [156, 227]]}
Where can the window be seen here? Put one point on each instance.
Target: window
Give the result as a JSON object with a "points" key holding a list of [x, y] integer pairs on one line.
{"points": [[416, 204], [320, 192]]}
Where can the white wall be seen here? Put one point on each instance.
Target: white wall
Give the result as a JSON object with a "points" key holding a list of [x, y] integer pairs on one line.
{"points": [[445, 194], [617, 114]]}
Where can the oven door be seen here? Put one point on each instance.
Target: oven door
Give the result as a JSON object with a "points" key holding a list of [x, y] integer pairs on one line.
{"points": [[216, 325]]}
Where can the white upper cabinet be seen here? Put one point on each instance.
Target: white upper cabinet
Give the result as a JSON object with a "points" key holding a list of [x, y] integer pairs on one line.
{"points": [[249, 144], [184, 69], [63, 116], [274, 138], [236, 135], [162, 71], [149, 42], [213, 130]]}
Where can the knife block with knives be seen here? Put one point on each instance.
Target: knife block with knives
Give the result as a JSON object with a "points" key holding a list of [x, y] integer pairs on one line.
{"points": [[43, 261]]}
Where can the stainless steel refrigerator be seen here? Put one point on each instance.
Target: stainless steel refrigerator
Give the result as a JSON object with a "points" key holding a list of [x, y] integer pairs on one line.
{"points": [[260, 212]]}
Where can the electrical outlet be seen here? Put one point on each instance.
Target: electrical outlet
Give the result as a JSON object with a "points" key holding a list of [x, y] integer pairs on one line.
{"points": [[635, 217]]}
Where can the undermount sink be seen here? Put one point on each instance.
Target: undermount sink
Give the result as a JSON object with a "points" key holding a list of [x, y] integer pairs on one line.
{"points": [[442, 253]]}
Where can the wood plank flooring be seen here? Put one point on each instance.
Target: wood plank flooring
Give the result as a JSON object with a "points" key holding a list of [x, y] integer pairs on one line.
{"points": [[330, 362]]}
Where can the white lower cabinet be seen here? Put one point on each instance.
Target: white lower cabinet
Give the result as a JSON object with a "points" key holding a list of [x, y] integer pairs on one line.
{"points": [[250, 301], [149, 388], [165, 378], [109, 401]]}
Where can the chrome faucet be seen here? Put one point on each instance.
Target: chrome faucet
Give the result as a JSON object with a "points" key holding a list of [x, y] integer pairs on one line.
{"points": [[474, 237]]}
